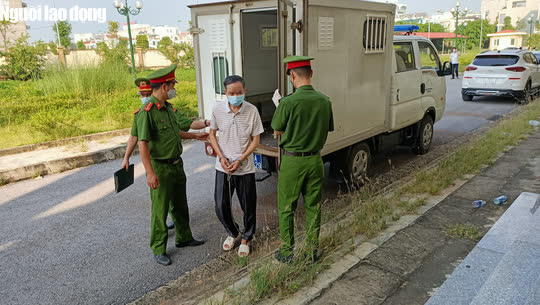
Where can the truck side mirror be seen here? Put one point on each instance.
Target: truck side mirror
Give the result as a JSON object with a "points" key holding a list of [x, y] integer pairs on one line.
{"points": [[447, 69]]}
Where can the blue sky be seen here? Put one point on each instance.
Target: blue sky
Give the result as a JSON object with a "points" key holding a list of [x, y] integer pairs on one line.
{"points": [[170, 12]]}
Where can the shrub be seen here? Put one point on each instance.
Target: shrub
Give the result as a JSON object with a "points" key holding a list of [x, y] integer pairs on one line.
{"points": [[23, 61], [117, 55]]}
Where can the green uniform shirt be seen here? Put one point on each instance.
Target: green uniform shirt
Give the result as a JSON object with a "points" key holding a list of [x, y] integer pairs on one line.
{"points": [[305, 117], [161, 128]]}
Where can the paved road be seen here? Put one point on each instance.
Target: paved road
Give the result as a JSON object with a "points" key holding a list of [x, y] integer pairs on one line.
{"points": [[69, 239]]}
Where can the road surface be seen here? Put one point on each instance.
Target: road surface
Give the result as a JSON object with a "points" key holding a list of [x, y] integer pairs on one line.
{"points": [[69, 239]]}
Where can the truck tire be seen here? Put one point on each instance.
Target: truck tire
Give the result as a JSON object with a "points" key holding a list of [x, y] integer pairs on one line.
{"points": [[358, 165], [425, 136], [527, 96], [466, 98]]}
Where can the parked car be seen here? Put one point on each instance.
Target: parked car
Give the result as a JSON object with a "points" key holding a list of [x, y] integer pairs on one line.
{"points": [[537, 55], [513, 73], [385, 90]]}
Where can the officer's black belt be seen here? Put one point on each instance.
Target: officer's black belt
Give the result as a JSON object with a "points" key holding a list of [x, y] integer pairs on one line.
{"points": [[300, 154], [169, 161]]}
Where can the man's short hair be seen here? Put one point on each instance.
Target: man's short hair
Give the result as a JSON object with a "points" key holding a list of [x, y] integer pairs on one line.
{"points": [[234, 79], [303, 72], [155, 86]]}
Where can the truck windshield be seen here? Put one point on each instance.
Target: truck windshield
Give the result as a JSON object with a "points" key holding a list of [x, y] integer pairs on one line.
{"points": [[495, 60]]}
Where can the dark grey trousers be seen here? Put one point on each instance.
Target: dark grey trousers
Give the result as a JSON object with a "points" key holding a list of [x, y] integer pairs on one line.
{"points": [[247, 195]]}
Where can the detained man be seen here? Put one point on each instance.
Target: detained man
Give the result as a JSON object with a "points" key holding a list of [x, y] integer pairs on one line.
{"points": [[239, 126]]}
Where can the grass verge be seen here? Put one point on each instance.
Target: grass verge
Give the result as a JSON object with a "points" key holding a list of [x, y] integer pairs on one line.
{"points": [[372, 214], [465, 231], [75, 102]]}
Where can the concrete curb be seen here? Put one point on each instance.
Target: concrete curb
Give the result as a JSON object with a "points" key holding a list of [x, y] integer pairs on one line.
{"points": [[62, 165], [57, 143]]}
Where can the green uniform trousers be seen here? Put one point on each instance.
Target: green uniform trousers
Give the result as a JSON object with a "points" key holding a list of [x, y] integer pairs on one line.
{"points": [[170, 196], [300, 175]]}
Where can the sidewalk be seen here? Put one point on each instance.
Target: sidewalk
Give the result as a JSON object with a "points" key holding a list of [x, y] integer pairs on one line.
{"points": [[416, 261], [35, 160]]}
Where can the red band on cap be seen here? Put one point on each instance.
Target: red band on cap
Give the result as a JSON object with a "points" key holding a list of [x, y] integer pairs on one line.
{"points": [[145, 88], [298, 64], [163, 79]]}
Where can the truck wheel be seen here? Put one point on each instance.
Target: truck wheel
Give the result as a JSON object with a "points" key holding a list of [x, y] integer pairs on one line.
{"points": [[425, 136], [358, 165], [467, 98], [527, 96]]}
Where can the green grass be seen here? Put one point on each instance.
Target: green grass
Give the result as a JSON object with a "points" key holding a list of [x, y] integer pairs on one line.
{"points": [[465, 231], [372, 214], [67, 103]]}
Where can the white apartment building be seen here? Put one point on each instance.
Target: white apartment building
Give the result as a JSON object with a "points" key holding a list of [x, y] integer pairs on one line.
{"points": [[156, 33], [515, 9]]}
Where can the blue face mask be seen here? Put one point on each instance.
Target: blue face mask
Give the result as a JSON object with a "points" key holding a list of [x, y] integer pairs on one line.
{"points": [[145, 100], [236, 100]]}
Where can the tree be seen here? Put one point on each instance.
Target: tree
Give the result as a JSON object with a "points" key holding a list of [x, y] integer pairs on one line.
{"points": [[534, 41], [117, 55], [80, 45], [181, 54], [113, 28], [473, 29], [64, 30], [142, 42], [23, 61], [4, 26], [508, 23], [188, 59], [165, 42]]}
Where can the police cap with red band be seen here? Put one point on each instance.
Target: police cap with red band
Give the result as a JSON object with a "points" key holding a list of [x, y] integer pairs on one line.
{"points": [[297, 61], [143, 84], [163, 75]]}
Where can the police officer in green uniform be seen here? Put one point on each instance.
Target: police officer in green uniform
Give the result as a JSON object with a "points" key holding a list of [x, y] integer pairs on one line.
{"points": [[158, 131], [303, 119], [145, 91]]}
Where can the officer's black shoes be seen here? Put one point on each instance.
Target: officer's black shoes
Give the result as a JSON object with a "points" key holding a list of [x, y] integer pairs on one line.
{"points": [[163, 259], [285, 259], [170, 225], [192, 243]]}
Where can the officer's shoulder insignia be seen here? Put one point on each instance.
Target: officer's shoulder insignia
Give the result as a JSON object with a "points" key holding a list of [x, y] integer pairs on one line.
{"points": [[148, 106], [137, 111]]}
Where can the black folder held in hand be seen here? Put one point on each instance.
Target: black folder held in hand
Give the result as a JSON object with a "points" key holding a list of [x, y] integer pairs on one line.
{"points": [[123, 178]]}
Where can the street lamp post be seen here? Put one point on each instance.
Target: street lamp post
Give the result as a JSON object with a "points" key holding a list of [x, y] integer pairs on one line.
{"points": [[530, 20], [457, 13], [125, 10]]}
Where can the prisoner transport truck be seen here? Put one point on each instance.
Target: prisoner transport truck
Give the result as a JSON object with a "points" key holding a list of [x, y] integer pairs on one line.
{"points": [[385, 90]]}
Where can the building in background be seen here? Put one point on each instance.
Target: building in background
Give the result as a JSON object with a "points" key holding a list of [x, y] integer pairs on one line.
{"points": [[15, 30], [154, 34], [506, 39], [498, 10]]}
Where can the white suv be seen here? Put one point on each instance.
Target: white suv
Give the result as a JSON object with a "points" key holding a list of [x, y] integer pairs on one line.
{"points": [[511, 73]]}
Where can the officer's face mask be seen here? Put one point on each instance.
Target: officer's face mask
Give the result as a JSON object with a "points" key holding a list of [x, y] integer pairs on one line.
{"points": [[145, 100], [171, 94], [236, 100]]}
